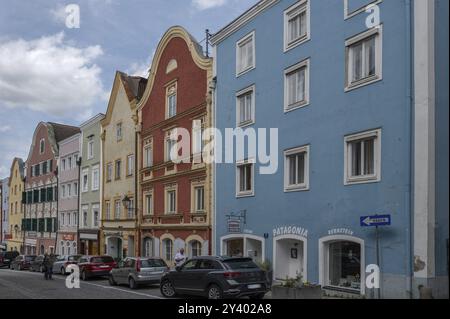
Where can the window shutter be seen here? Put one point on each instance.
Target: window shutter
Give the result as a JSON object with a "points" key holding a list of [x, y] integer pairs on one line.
{"points": [[24, 197], [41, 225]]}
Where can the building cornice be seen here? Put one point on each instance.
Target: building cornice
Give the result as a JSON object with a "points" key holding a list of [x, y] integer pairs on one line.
{"points": [[241, 20], [92, 121]]}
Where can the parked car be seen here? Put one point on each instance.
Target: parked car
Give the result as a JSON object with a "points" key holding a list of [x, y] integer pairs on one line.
{"points": [[95, 266], [135, 271], [6, 257], [216, 278], [61, 263], [22, 262], [37, 264]]}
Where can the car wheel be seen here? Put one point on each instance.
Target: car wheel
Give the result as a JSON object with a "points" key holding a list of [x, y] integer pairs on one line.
{"points": [[167, 289], [63, 271], [214, 292], [111, 280], [84, 276], [132, 283], [258, 296]]}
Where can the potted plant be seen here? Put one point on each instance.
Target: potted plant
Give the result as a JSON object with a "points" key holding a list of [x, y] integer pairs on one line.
{"points": [[295, 288]]}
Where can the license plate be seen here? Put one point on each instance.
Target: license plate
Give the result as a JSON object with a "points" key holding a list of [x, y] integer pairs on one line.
{"points": [[104, 266], [254, 286]]}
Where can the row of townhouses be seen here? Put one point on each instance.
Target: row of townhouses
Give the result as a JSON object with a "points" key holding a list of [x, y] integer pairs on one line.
{"points": [[354, 104]]}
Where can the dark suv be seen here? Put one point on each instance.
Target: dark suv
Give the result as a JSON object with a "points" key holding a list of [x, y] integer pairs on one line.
{"points": [[216, 278], [6, 257]]}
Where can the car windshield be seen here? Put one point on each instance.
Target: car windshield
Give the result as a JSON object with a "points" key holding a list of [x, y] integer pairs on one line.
{"points": [[30, 258], [102, 259], [74, 258], [240, 263], [147, 263]]}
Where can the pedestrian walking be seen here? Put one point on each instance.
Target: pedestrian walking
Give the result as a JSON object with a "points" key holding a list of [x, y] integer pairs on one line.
{"points": [[180, 258], [48, 264]]}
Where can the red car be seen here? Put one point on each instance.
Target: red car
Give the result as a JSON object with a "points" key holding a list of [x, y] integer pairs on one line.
{"points": [[22, 262], [95, 266]]}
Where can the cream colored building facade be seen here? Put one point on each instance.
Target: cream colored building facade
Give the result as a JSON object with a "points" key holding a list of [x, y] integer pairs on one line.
{"points": [[16, 188], [119, 227]]}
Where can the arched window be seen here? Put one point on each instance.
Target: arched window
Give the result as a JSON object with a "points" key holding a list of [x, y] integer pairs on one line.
{"points": [[168, 249], [42, 250], [148, 247], [195, 248]]}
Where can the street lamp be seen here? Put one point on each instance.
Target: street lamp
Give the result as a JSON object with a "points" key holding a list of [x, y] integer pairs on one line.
{"points": [[126, 201]]}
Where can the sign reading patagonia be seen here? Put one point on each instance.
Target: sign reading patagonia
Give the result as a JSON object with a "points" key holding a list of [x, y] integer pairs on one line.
{"points": [[290, 230]]}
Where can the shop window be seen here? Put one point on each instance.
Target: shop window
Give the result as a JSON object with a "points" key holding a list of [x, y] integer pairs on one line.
{"points": [[344, 265]]}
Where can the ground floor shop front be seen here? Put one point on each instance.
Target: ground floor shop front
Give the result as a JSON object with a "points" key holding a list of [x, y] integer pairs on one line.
{"points": [[89, 242], [40, 246], [166, 243]]}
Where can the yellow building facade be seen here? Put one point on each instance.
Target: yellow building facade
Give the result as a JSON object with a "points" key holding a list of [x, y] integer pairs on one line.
{"points": [[16, 208]]}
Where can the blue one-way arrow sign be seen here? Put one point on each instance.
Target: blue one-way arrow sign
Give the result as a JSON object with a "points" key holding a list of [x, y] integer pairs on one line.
{"points": [[375, 220]]}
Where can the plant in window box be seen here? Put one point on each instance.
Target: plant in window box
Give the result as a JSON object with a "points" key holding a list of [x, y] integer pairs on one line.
{"points": [[295, 288]]}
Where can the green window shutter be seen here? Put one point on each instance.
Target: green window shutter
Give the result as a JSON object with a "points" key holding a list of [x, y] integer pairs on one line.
{"points": [[36, 196], [48, 225], [41, 225], [50, 166], [29, 197], [43, 192], [35, 224]]}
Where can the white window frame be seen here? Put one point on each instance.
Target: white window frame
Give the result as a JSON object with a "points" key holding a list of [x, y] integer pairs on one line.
{"points": [[95, 207], [251, 192], [148, 211], [119, 216], [130, 160], [90, 149], [94, 181], [85, 188], [148, 146], [166, 144], [376, 177], [302, 64], [349, 14], [119, 128], [108, 210], [84, 209], [63, 191], [198, 126], [297, 8], [378, 33], [242, 92], [109, 174], [171, 90], [240, 72], [168, 189], [297, 187]]}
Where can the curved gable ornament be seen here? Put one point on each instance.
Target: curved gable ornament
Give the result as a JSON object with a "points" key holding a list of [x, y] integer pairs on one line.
{"points": [[199, 59], [172, 65]]}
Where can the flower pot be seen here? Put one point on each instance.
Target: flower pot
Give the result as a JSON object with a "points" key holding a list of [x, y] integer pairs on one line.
{"points": [[279, 292]]}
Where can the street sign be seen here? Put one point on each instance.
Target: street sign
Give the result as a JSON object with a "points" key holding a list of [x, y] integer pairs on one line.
{"points": [[375, 220]]}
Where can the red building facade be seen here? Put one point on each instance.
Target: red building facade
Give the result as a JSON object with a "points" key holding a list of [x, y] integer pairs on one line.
{"points": [[175, 198]]}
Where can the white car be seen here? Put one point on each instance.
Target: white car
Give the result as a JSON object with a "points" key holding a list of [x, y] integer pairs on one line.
{"points": [[61, 263]]}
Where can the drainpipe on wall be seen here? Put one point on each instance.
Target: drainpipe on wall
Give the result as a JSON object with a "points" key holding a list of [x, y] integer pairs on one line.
{"points": [[78, 203], [136, 203], [57, 208]]}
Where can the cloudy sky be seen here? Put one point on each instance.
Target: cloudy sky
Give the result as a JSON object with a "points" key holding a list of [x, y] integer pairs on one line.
{"points": [[49, 72]]}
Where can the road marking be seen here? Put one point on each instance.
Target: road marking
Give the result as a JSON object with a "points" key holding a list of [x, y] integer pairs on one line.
{"points": [[89, 283]]}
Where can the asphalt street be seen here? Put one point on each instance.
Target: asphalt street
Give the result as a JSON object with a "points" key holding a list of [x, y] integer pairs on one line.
{"points": [[32, 285]]}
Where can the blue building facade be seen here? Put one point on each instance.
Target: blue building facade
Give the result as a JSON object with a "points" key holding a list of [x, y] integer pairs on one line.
{"points": [[361, 109]]}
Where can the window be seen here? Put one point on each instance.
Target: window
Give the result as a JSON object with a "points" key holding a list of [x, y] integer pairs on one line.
{"points": [[196, 248], [90, 150], [44, 168], [364, 59], [244, 179], [41, 146], [198, 127], [344, 264], [84, 180], [171, 144], [69, 162], [63, 165], [117, 207], [171, 200], [130, 165], [95, 178], [63, 191], [95, 216], [119, 132], [296, 175], [130, 209], [168, 249], [85, 218], [108, 210], [118, 168], [363, 157], [75, 160], [171, 101], [245, 106], [148, 247], [75, 189], [357, 7], [296, 86], [296, 24], [148, 154], [74, 218], [148, 204], [245, 54], [69, 190], [199, 193], [109, 172]]}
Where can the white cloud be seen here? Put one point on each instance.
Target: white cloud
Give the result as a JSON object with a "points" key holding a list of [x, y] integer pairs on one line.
{"points": [[59, 14], [4, 171], [208, 4], [50, 75], [5, 128]]}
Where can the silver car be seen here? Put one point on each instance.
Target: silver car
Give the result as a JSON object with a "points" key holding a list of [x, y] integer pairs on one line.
{"points": [[135, 271], [61, 263]]}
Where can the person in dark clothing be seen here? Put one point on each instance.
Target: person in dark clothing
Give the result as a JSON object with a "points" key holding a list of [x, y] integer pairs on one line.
{"points": [[48, 264]]}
